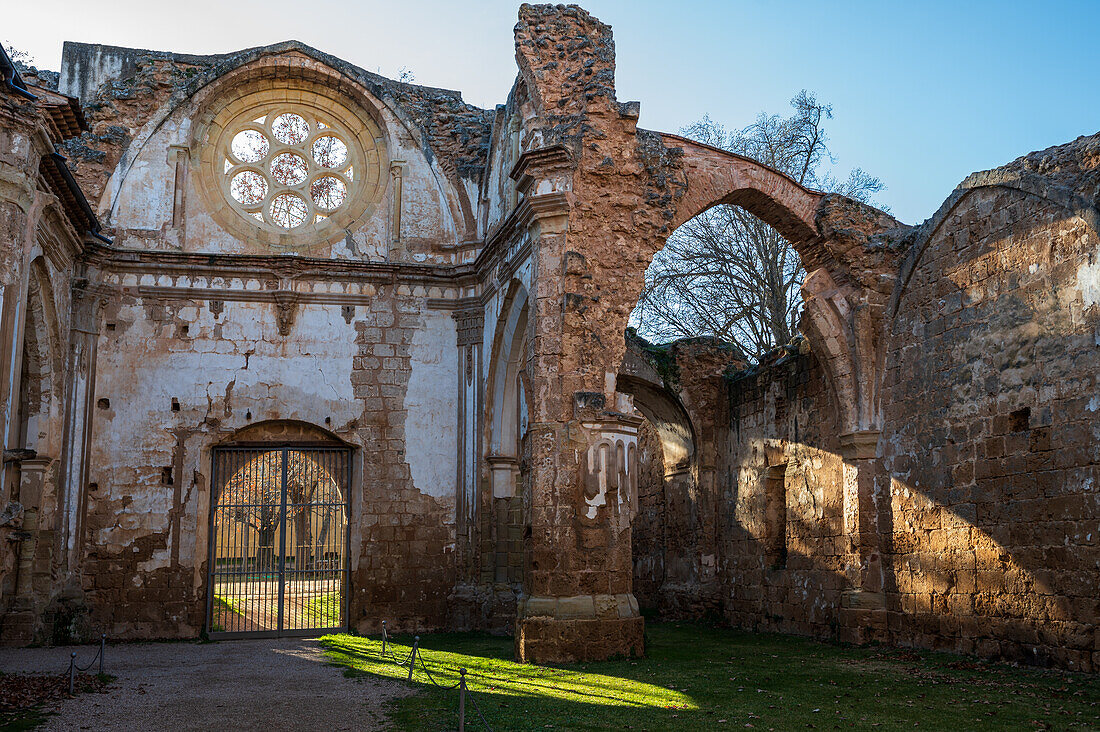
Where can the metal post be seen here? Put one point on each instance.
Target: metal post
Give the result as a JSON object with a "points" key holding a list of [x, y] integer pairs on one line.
{"points": [[102, 648], [72, 671], [412, 658], [462, 700], [384, 639]]}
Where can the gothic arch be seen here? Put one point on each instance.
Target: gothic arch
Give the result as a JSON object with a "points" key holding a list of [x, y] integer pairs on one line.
{"points": [[41, 359], [847, 283], [716, 176], [508, 399]]}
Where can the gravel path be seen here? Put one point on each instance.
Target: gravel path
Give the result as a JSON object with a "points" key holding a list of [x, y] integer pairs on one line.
{"points": [[282, 684]]}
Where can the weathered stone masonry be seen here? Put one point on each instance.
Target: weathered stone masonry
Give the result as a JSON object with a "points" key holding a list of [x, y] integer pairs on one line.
{"points": [[920, 468]]}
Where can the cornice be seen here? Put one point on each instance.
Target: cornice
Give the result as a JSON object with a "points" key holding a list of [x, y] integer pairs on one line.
{"points": [[275, 266], [551, 157]]}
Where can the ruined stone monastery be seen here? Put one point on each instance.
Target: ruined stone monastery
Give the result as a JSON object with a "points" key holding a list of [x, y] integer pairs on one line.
{"points": [[286, 345]]}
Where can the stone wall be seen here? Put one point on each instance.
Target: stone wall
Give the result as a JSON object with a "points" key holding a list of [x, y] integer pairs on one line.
{"points": [[783, 542], [991, 445], [971, 525], [378, 375]]}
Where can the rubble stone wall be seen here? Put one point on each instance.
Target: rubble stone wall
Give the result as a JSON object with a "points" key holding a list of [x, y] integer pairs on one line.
{"points": [[782, 538], [991, 440]]}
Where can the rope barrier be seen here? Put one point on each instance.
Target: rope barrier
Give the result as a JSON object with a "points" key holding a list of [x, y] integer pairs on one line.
{"points": [[74, 668], [411, 659]]}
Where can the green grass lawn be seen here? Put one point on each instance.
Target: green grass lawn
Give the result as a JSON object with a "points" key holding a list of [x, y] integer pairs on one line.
{"points": [[702, 678], [325, 610]]}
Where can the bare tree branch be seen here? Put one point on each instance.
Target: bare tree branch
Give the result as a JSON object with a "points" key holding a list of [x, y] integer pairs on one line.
{"points": [[726, 273]]}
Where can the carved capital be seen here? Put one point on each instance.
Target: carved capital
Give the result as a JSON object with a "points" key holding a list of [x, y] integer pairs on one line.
{"points": [[862, 445], [471, 326]]}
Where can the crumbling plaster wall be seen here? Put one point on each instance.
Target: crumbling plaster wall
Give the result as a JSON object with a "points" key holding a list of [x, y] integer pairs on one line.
{"points": [[389, 392], [40, 404]]}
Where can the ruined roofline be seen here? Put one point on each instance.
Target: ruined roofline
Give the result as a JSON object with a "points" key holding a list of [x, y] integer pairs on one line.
{"points": [[211, 60]]}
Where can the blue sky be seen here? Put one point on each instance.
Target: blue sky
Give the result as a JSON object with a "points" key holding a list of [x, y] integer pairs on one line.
{"points": [[923, 92]]}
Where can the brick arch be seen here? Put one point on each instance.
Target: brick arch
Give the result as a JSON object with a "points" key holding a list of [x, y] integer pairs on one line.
{"points": [[717, 176]]}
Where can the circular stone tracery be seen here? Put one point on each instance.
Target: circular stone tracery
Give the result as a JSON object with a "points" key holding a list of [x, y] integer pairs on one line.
{"points": [[288, 167]]}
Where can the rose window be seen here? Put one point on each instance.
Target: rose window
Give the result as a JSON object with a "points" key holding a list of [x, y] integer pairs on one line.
{"points": [[288, 169]]}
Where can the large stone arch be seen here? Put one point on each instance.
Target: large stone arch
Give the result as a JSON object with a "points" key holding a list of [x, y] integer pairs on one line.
{"points": [[717, 176], [848, 273]]}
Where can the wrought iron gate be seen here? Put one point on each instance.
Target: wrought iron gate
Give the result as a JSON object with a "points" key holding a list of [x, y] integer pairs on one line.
{"points": [[278, 540]]}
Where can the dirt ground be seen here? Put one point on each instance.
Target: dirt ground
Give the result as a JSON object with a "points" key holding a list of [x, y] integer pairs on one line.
{"points": [[282, 684]]}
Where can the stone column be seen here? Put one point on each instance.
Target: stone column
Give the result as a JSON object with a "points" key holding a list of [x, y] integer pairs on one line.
{"points": [[581, 604], [863, 605], [469, 324], [581, 487]]}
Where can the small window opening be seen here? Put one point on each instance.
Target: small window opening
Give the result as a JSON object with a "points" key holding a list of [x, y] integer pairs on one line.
{"points": [[166, 476], [775, 516], [104, 403], [110, 326], [175, 404], [185, 329], [1020, 420]]}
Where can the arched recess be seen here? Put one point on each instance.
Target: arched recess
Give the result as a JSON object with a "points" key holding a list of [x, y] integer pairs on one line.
{"points": [[668, 417], [508, 395], [41, 366], [506, 514], [298, 69]]}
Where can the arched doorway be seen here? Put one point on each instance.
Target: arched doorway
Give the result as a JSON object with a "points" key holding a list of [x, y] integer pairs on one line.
{"points": [[279, 532]]}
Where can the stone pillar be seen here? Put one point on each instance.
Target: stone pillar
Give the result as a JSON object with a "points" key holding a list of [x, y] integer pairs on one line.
{"points": [[469, 324], [863, 605], [845, 325], [581, 487], [581, 604]]}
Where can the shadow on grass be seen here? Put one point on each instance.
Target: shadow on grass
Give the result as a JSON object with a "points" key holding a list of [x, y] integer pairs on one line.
{"points": [[699, 677]]}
